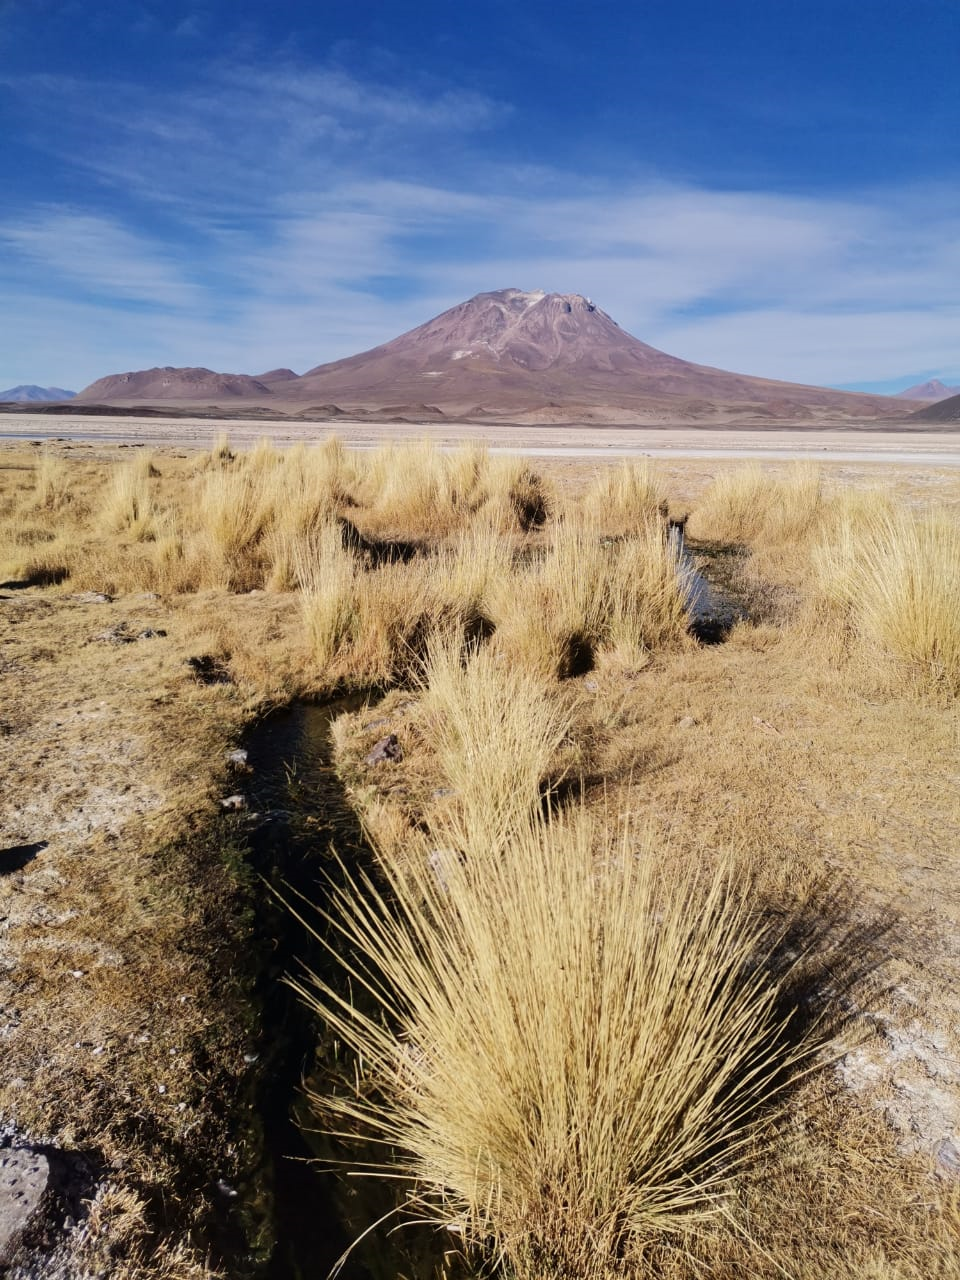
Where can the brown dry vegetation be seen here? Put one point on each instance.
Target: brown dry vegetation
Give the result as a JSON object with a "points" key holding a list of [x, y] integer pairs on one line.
{"points": [[822, 739]]}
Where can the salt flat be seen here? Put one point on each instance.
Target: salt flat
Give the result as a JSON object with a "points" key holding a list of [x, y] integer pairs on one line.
{"points": [[847, 443]]}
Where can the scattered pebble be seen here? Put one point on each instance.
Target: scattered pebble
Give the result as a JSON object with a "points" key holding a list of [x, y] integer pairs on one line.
{"points": [[237, 757], [233, 803], [687, 722]]}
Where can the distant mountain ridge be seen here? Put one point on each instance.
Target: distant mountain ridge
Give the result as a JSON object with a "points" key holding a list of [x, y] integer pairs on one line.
{"points": [[168, 383], [29, 393], [932, 390], [530, 356]]}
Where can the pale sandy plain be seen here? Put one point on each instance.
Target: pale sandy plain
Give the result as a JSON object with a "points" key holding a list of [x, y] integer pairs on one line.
{"points": [[870, 442]]}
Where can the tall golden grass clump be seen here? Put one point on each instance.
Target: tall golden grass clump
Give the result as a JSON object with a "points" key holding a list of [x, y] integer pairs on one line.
{"points": [[232, 516], [51, 482], [748, 505], [648, 594], [328, 575], [129, 506], [586, 593], [626, 497], [419, 489], [469, 571], [562, 1056], [895, 580], [423, 491], [493, 730]]}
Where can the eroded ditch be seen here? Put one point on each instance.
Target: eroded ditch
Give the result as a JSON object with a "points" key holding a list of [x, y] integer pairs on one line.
{"points": [[301, 828]]}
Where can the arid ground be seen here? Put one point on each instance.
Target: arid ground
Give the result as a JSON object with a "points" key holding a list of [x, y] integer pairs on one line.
{"points": [[815, 759]]}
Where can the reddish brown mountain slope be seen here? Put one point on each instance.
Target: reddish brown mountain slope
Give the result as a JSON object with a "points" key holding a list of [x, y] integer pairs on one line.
{"points": [[542, 356], [174, 384], [512, 350]]}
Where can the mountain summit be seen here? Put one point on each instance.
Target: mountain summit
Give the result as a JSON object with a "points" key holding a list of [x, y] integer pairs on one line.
{"points": [[531, 356], [29, 393], [932, 390], [512, 329], [513, 350]]}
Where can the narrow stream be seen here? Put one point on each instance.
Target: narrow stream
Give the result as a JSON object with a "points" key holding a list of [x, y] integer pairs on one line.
{"points": [[713, 606], [298, 811]]}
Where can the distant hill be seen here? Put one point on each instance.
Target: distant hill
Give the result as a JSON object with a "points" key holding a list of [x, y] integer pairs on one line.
{"points": [[27, 393], [182, 385], [944, 411], [529, 357], [932, 390]]}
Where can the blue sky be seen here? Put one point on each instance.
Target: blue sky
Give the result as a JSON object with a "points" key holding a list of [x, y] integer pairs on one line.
{"points": [[767, 186]]}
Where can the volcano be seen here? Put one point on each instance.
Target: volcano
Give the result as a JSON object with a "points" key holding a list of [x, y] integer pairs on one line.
{"points": [[534, 356]]}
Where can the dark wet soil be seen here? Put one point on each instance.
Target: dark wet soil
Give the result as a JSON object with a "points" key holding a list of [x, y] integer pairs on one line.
{"points": [[302, 828]]}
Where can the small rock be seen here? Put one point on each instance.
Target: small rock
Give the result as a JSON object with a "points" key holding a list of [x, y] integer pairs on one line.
{"points": [[948, 1156], [225, 1189], [238, 758], [688, 722], [119, 633], [93, 597], [233, 803], [591, 686], [387, 748], [149, 633], [24, 1176]]}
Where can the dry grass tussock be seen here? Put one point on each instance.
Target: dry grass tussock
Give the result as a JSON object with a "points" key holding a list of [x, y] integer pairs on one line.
{"points": [[870, 569], [748, 505], [494, 733], [585, 596], [624, 497], [565, 1055], [894, 582]]}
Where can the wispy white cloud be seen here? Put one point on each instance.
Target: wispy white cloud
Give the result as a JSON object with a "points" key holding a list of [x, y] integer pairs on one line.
{"points": [[295, 216], [65, 246]]}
